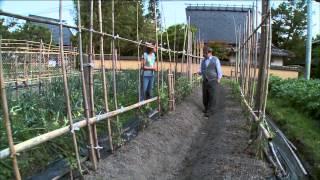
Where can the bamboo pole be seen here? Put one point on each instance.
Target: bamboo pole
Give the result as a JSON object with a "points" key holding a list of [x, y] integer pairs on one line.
{"points": [[91, 85], [174, 53], [157, 43], [114, 59], [30, 143], [41, 64], [184, 48], [105, 91], [82, 28], [84, 92], [6, 118], [138, 49], [66, 91], [161, 59], [269, 40], [16, 75], [170, 59]]}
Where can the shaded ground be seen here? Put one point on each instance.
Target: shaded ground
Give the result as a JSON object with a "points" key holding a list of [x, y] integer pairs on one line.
{"points": [[185, 145]]}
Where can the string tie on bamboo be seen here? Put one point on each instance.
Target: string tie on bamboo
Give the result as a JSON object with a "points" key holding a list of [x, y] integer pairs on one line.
{"points": [[115, 37], [99, 117], [139, 43], [91, 65], [74, 128], [98, 147]]}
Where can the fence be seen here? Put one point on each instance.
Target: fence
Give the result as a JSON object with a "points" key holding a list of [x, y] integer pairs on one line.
{"points": [[73, 94], [253, 85]]}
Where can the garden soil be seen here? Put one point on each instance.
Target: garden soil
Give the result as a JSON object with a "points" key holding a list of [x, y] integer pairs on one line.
{"points": [[185, 145]]}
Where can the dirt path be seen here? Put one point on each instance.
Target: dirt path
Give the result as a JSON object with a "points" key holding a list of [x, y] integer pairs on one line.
{"points": [[185, 145]]}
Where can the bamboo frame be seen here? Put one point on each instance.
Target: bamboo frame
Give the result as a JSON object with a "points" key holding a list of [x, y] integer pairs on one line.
{"points": [[33, 48], [23, 146], [3, 13], [246, 53]]}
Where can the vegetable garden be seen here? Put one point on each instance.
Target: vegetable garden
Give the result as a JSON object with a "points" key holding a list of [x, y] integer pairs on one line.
{"points": [[44, 117]]}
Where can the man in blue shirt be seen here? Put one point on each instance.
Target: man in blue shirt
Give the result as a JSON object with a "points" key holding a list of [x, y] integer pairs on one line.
{"points": [[211, 72]]}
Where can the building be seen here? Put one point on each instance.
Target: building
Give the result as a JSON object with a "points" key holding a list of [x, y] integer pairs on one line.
{"points": [[55, 30], [218, 24]]}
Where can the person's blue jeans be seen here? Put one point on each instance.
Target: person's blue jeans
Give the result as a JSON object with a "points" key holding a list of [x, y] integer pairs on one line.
{"points": [[147, 87]]}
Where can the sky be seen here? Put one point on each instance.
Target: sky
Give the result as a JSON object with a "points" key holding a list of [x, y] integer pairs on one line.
{"points": [[172, 11]]}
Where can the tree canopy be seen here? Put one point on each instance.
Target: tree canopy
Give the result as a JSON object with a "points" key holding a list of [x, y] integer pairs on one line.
{"points": [[289, 28], [26, 31], [125, 24]]}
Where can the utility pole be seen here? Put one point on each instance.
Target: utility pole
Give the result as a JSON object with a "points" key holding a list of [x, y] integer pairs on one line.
{"points": [[263, 63], [309, 40]]}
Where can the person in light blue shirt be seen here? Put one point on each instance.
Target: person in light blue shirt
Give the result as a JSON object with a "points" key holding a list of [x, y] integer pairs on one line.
{"points": [[211, 72], [148, 71]]}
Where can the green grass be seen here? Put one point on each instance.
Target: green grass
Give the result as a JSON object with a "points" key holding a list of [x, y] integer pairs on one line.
{"points": [[300, 128]]}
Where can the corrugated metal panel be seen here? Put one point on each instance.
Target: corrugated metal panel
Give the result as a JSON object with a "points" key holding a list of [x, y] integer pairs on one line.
{"points": [[217, 23]]}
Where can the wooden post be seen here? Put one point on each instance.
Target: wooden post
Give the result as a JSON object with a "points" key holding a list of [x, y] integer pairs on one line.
{"points": [[6, 118]]}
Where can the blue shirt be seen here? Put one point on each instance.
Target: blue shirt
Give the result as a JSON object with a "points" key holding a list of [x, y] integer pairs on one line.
{"points": [[218, 65], [149, 62]]}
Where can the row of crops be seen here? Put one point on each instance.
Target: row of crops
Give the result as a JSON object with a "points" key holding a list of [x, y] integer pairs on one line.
{"points": [[294, 104], [303, 95], [35, 111]]}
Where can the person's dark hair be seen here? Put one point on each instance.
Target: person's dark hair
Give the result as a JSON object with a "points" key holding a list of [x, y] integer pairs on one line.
{"points": [[149, 50]]}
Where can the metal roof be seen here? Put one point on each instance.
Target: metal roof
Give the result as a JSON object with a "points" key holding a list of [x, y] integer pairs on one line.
{"points": [[217, 23], [55, 30]]}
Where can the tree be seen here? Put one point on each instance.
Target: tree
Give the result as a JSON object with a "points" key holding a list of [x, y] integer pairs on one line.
{"points": [[31, 32], [152, 5], [4, 30], [176, 35], [26, 31], [316, 58], [289, 27], [124, 25]]}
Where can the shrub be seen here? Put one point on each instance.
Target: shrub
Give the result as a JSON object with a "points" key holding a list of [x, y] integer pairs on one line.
{"points": [[302, 94]]}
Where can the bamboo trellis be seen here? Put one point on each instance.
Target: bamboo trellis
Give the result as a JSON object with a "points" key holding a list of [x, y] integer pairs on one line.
{"points": [[85, 70], [246, 65]]}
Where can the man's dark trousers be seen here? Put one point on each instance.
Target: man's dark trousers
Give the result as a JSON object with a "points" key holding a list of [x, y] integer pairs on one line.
{"points": [[209, 94]]}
